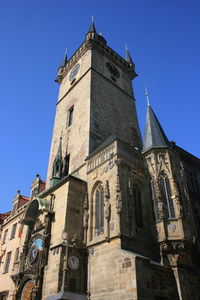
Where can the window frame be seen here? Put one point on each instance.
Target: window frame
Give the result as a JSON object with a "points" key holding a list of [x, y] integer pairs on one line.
{"points": [[70, 116], [7, 262], [13, 231], [5, 236]]}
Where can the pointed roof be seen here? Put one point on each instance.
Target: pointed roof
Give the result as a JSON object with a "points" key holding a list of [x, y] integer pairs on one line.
{"points": [[128, 57], [154, 136], [64, 61], [92, 28]]}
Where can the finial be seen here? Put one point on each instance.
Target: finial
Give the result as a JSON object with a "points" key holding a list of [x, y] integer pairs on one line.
{"points": [[126, 47], [147, 96], [18, 192], [92, 19]]}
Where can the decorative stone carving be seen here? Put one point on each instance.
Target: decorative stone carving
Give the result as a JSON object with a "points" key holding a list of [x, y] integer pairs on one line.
{"points": [[85, 216], [151, 162], [107, 206], [118, 196], [163, 162]]}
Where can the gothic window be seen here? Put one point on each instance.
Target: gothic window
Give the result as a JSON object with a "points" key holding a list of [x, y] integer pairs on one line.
{"points": [[166, 196], [138, 208], [99, 210]]}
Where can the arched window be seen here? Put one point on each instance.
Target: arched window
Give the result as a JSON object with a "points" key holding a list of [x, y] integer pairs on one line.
{"points": [[137, 207], [99, 209], [165, 190]]}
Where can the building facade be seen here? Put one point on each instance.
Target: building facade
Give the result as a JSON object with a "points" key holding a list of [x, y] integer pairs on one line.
{"points": [[117, 218]]}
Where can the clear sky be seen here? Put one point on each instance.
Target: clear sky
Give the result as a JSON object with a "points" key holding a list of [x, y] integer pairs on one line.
{"points": [[163, 38]]}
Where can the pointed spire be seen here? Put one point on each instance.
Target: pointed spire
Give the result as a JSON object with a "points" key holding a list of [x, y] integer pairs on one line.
{"points": [[92, 26], [59, 153], [64, 61], [128, 57], [154, 136]]}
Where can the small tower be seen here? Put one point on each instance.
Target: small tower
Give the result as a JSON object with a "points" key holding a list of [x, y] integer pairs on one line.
{"points": [[172, 208]]}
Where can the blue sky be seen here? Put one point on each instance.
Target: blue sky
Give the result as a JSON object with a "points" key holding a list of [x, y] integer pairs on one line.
{"points": [[162, 37]]}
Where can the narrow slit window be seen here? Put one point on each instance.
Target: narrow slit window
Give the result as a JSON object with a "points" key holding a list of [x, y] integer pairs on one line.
{"points": [[99, 210], [70, 114]]}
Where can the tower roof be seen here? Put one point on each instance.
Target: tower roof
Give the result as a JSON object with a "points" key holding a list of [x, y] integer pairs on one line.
{"points": [[92, 27], [154, 136]]}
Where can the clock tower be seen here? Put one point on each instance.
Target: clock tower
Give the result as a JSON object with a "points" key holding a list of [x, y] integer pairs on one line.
{"points": [[113, 222], [95, 103]]}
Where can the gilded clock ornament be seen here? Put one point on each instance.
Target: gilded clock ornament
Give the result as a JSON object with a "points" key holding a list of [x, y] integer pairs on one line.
{"points": [[73, 262], [74, 71]]}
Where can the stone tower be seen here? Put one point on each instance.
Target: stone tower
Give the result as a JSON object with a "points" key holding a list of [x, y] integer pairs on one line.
{"points": [[95, 103], [115, 220]]}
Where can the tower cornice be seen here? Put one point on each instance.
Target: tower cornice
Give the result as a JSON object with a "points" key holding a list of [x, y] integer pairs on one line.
{"points": [[94, 41]]}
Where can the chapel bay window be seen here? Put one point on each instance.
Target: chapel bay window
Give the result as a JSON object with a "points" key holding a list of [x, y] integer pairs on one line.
{"points": [[167, 196], [99, 210]]}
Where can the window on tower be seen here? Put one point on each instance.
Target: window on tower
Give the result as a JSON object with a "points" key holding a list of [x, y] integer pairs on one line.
{"points": [[137, 208], [99, 210], [166, 195], [70, 116]]}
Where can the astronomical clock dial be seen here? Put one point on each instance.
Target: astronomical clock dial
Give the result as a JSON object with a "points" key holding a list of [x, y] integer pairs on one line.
{"points": [[74, 71], [35, 251], [73, 262]]}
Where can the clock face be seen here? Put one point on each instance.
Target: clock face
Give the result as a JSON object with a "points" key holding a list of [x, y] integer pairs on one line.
{"points": [[74, 71], [73, 262], [112, 69]]}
